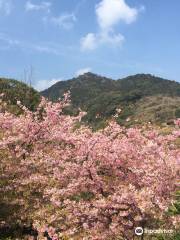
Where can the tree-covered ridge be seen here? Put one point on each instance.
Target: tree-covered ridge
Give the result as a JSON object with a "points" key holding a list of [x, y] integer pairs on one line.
{"points": [[148, 84], [142, 98], [14, 90], [101, 96]]}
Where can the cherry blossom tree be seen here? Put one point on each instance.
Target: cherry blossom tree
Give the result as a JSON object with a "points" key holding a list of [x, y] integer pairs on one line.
{"points": [[76, 183]]}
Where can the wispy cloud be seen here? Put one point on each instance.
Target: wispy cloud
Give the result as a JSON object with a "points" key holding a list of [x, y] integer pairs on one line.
{"points": [[44, 84], [8, 43], [66, 20], [6, 7], [109, 13], [45, 49], [89, 42], [82, 71], [29, 6]]}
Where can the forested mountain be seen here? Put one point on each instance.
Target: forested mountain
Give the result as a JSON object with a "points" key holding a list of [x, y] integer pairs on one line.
{"points": [[142, 98]]}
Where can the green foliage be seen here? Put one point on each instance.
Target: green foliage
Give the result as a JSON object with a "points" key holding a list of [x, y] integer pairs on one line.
{"points": [[177, 113], [15, 90], [83, 195], [174, 209], [175, 236], [141, 97]]}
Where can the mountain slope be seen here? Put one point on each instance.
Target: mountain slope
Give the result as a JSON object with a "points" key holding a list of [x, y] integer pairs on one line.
{"points": [[143, 84], [14, 90], [141, 97], [147, 84], [83, 88]]}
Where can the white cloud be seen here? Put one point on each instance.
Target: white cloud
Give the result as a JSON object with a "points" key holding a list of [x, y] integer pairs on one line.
{"points": [[44, 84], [65, 20], [6, 6], [89, 42], [115, 39], [92, 41], [36, 7], [82, 71], [109, 13]]}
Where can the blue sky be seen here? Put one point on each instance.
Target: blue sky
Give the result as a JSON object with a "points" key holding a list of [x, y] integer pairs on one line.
{"points": [[63, 38]]}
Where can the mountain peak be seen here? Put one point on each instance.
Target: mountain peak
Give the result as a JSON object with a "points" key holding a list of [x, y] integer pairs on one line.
{"points": [[92, 77], [88, 75]]}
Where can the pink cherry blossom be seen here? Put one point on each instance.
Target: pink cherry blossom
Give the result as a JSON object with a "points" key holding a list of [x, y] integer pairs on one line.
{"points": [[73, 182]]}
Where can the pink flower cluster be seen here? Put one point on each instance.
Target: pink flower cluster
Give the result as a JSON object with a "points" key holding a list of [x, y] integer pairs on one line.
{"points": [[94, 185]]}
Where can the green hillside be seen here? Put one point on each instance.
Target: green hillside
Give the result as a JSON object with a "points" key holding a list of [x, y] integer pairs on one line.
{"points": [[141, 97], [14, 90]]}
